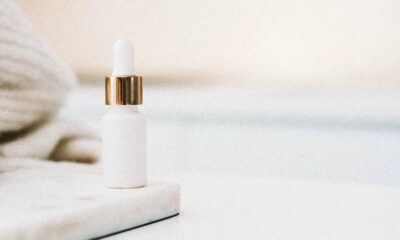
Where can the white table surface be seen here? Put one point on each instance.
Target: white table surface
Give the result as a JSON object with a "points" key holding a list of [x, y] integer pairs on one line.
{"points": [[299, 164], [342, 135], [231, 207]]}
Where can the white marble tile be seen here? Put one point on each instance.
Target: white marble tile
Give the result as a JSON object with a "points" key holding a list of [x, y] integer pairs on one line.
{"points": [[47, 200]]}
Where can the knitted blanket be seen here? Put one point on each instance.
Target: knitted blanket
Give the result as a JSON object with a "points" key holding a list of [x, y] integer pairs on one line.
{"points": [[33, 86]]}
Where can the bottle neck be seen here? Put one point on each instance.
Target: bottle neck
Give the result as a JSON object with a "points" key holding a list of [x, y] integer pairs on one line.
{"points": [[123, 108]]}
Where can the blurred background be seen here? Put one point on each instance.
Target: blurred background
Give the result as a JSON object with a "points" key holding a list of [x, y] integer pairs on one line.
{"points": [[293, 89]]}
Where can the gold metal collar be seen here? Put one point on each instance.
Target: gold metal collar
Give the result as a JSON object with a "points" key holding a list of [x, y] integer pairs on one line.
{"points": [[124, 90]]}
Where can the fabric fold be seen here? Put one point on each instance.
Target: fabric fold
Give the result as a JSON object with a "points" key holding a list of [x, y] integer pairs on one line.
{"points": [[34, 85]]}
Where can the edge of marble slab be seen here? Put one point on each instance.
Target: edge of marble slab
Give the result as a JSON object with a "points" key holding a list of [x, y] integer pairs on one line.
{"points": [[118, 210]]}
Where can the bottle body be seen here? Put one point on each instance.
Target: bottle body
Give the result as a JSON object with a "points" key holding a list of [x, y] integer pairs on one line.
{"points": [[124, 147]]}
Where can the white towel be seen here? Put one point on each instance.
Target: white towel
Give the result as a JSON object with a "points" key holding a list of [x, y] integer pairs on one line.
{"points": [[33, 86]]}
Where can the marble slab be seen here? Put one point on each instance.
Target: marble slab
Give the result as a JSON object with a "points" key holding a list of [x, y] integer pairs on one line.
{"points": [[49, 200]]}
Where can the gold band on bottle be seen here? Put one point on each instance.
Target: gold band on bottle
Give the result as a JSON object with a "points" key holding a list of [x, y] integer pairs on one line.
{"points": [[124, 90]]}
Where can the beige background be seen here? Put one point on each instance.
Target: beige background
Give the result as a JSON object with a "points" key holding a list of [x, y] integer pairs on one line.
{"points": [[313, 42]]}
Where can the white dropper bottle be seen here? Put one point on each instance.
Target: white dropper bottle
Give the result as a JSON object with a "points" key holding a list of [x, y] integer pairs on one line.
{"points": [[124, 127]]}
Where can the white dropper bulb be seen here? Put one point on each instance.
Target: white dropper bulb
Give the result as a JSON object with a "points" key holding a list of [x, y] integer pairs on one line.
{"points": [[123, 58]]}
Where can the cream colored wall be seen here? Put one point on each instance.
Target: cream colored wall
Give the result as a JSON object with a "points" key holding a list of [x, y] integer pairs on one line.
{"points": [[286, 42]]}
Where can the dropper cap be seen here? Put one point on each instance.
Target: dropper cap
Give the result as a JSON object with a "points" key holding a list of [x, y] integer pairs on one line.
{"points": [[123, 87], [123, 58]]}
